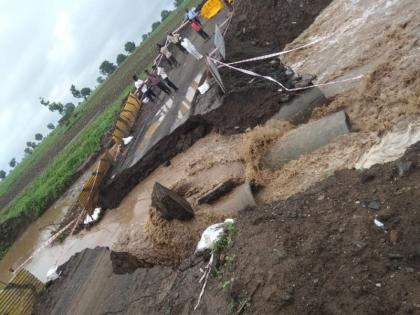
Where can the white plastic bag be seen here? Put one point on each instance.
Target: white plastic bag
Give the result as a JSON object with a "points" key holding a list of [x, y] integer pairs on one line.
{"points": [[94, 217], [52, 274], [211, 235]]}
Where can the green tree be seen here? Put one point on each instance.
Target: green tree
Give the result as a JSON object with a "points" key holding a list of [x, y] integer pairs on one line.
{"points": [[53, 107], [2, 174], [12, 163], [155, 25], [100, 79], [120, 59], [85, 92], [51, 126], [28, 150], [75, 92], [144, 37], [130, 47], [31, 144], [164, 14], [39, 136], [106, 68]]}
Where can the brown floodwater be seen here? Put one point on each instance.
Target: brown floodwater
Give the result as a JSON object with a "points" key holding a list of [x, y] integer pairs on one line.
{"points": [[208, 162]]}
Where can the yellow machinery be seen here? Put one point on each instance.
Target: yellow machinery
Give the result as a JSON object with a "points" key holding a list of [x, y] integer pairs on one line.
{"points": [[211, 8]]}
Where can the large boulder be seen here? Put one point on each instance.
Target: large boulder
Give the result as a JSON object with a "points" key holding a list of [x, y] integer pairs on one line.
{"points": [[170, 205]]}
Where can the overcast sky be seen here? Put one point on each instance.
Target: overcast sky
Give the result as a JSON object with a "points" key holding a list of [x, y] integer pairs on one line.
{"points": [[47, 45]]}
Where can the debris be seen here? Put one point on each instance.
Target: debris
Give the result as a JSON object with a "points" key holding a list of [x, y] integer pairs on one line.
{"points": [[52, 274], [218, 191], [92, 218], [206, 273], [378, 285], [374, 204], [395, 256], [127, 140], [170, 205], [379, 223], [211, 235], [404, 167], [204, 87], [394, 237]]}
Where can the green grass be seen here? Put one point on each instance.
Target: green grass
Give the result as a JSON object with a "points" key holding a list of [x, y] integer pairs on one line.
{"points": [[55, 179]]}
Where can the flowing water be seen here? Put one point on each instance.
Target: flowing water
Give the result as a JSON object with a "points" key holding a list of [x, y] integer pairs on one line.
{"points": [[209, 168]]}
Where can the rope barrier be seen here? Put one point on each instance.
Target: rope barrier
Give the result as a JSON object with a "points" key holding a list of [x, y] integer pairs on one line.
{"points": [[254, 74], [278, 54]]}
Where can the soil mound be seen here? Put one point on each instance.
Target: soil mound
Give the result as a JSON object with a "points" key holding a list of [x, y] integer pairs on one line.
{"points": [[276, 24]]}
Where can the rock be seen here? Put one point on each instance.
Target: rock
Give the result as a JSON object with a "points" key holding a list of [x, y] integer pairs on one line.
{"points": [[321, 197], [404, 167], [170, 205], [218, 192], [374, 204], [167, 163]]}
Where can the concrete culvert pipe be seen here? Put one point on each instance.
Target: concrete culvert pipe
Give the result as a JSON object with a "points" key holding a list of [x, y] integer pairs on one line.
{"points": [[306, 139], [299, 109]]}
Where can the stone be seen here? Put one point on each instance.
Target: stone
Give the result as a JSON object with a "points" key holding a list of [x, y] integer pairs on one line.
{"points": [[374, 205], [404, 167], [171, 205]]}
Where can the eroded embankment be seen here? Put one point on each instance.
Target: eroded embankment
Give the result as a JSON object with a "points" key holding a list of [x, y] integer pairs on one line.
{"points": [[239, 111], [323, 254]]}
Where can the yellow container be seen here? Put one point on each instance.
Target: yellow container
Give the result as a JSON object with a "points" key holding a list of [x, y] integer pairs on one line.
{"points": [[211, 8]]}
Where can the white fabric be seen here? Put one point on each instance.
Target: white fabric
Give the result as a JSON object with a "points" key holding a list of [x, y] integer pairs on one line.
{"points": [[186, 43], [211, 235], [161, 71]]}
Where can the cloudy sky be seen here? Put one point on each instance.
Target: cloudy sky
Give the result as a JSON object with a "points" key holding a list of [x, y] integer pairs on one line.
{"points": [[47, 45]]}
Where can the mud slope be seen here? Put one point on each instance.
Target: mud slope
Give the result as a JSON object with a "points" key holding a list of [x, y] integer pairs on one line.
{"points": [[277, 23]]}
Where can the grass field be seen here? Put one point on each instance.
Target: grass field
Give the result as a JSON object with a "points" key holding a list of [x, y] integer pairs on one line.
{"points": [[90, 122]]}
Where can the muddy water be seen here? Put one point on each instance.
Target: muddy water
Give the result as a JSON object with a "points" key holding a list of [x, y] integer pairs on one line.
{"points": [[205, 165], [40, 230]]}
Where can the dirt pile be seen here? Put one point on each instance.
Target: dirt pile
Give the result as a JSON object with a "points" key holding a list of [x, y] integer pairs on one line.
{"points": [[276, 24], [173, 241]]}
